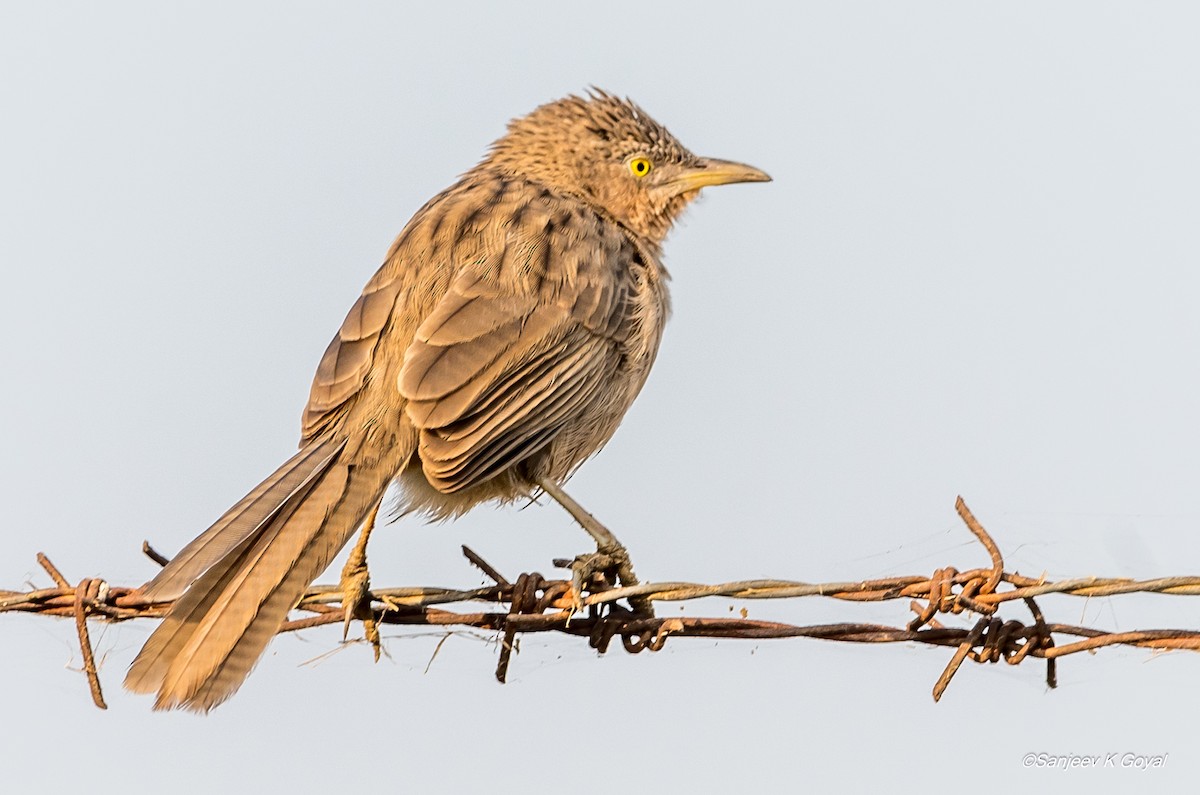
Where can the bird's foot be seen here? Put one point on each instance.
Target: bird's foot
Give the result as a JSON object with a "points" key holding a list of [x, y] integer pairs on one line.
{"points": [[606, 568], [355, 585], [594, 571], [610, 560]]}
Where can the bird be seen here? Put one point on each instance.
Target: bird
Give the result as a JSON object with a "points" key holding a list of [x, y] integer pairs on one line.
{"points": [[512, 324]]}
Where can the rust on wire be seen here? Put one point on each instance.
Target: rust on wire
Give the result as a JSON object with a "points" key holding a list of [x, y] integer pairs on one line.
{"points": [[535, 604]]}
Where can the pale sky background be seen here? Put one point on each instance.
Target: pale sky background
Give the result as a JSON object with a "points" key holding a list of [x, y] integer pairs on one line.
{"points": [[975, 273]]}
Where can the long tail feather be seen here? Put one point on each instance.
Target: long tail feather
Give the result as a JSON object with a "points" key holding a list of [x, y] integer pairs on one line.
{"points": [[216, 631], [242, 520]]}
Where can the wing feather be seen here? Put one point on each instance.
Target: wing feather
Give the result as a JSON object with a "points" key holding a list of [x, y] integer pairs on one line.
{"points": [[512, 355], [344, 367]]}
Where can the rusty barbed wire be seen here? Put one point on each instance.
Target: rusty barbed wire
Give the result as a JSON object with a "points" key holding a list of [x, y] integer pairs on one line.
{"points": [[537, 604]]}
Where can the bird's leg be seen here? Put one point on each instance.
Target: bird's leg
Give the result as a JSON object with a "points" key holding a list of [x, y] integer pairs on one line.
{"points": [[356, 586], [610, 553]]}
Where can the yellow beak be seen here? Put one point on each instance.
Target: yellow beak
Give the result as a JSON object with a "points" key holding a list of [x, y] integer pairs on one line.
{"points": [[710, 171]]}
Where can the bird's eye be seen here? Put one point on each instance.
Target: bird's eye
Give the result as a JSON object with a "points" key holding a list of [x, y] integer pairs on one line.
{"points": [[640, 166]]}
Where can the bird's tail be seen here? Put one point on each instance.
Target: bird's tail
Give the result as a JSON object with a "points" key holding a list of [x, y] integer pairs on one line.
{"points": [[240, 578]]}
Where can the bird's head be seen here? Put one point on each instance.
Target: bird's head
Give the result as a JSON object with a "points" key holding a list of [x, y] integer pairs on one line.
{"points": [[608, 152]]}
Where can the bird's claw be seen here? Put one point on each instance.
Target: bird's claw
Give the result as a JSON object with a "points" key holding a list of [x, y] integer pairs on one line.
{"points": [[599, 571], [590, 572], [356, 603], [355, 585]]}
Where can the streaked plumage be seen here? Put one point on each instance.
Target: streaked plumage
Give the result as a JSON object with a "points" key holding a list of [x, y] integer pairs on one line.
{"points": [[512, 324]]}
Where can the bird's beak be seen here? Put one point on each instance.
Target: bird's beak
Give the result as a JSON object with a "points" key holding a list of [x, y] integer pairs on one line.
{"points": [[710, 171]]}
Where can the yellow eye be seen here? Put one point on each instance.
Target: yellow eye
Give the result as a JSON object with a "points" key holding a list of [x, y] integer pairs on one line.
{"points": [[640, 166]]}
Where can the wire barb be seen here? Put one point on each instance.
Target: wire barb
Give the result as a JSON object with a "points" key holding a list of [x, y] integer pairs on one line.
{"points": [[88, 593]]}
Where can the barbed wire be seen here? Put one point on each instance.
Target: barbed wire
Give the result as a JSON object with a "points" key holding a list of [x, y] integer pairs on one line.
{"points": [[537, 604]]}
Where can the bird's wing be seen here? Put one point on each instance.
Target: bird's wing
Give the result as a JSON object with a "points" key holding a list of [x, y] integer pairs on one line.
{"points": [[525, 337], [344, 367]]}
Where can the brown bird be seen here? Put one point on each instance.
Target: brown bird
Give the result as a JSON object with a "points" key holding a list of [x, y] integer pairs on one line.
{"points": [[512, 324]]}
